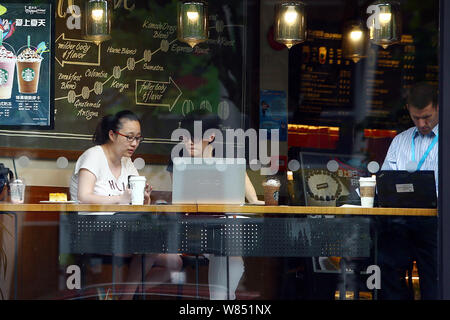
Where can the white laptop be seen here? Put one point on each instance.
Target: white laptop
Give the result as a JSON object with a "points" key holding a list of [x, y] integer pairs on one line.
{"points": [[208, 181]]}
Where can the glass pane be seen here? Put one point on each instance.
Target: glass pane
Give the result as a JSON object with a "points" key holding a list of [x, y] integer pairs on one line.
{"points": [[363, 123], [246, 150]]}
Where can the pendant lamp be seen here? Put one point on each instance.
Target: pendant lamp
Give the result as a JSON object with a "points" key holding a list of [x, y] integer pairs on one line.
{"points": [[354, 41], [192, 22], [290, 23], [385, 23], [98, 21]]}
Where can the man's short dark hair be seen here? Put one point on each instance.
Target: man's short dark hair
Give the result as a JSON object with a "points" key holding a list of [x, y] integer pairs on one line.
{"points": [[421, 95]]}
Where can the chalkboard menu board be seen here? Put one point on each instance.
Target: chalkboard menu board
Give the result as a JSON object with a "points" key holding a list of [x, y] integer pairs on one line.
{"points": [[25, 65], [143, 68]]}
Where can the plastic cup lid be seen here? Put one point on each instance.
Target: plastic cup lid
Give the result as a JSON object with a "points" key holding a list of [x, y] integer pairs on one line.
{"points": [[368, 179], [138, 178]]}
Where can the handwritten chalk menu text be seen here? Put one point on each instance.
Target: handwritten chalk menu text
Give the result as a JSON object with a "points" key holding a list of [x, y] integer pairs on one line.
{"points": [[74, 51], [146, 69], [25, 65]]}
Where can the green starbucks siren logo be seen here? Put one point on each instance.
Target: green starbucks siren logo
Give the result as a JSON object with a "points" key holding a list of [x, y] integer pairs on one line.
{"points": [[3, 76], [28, 74]]}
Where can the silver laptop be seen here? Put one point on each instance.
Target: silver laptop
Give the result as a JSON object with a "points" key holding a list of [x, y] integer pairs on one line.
{"points": [[208, 181]]}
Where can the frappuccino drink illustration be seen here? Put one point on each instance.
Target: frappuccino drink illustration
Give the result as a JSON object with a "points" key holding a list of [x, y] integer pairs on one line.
{"points": [[7, 59], [7, 65], [28, 67]]}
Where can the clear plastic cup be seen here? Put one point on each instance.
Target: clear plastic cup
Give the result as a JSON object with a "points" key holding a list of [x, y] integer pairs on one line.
{"points": [[17, 188], [28, 69]]}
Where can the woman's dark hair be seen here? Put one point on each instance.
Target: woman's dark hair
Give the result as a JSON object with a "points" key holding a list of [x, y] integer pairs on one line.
{"points": [[111, 122], [209, 121]]}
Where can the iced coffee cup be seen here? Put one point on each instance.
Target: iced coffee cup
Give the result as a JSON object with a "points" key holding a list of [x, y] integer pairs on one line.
{"points": [[28, 67], [367, 191], [137, 187], [271, 192], [17, 189], [7, 65]]}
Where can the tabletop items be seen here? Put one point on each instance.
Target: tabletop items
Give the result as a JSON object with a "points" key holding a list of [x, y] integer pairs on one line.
{"points": [[271, 191]]}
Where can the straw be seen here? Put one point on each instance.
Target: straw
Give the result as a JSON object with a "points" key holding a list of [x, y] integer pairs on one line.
{"points": [[15, 170], [28, 41], [1, 38], [107, 293]]}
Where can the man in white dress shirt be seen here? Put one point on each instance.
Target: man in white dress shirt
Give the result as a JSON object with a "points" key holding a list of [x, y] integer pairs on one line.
{"points": [[403, 240]]}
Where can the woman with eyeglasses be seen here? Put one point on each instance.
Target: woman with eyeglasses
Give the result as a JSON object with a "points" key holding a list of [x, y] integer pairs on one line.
{"points": [[101, 177], [101, 172]]}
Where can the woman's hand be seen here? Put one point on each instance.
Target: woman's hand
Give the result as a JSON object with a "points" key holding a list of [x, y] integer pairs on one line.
{"points": [[250, 192], [125, 197], [147, 193]]}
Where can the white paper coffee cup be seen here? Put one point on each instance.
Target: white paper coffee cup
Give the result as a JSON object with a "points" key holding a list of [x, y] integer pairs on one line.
{"points": [[137, 187], [367, 191]]}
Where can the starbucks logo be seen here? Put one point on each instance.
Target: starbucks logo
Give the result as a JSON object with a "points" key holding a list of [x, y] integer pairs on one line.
{"points": [[3, 76], [276, 195], [28, 74]]}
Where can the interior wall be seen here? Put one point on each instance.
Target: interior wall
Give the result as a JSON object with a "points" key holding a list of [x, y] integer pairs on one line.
{"points": [[47, 173], [274, 64]]}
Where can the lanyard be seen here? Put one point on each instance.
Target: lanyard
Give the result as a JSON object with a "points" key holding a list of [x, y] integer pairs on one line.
{"points": [[427, 152]]}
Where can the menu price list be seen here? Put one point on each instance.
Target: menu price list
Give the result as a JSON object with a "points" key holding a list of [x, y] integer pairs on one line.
{"points": [[325, 78], [333, 89]]}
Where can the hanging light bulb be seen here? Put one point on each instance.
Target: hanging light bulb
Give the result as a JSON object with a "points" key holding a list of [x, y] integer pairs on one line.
{"points": [[97, 14], [385, 23], [98, 21], [290, 23], [192, 22], [354, 41]]}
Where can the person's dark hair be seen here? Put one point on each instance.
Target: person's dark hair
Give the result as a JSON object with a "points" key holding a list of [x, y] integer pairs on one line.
{"points": [[111, 122], [209, 120], [421, 95]]}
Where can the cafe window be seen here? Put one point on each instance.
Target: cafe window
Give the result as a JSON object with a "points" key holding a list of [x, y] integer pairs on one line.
{"points": [[337, 103]]}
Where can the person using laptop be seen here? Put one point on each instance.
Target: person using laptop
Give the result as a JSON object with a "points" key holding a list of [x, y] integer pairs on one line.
{"points": [[403, 240], [217, 272], [101, 177]]}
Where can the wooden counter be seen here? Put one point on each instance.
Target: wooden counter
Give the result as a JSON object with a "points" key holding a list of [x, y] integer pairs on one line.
{"points": [[204, 209], [318, 210], [52, 207]]}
